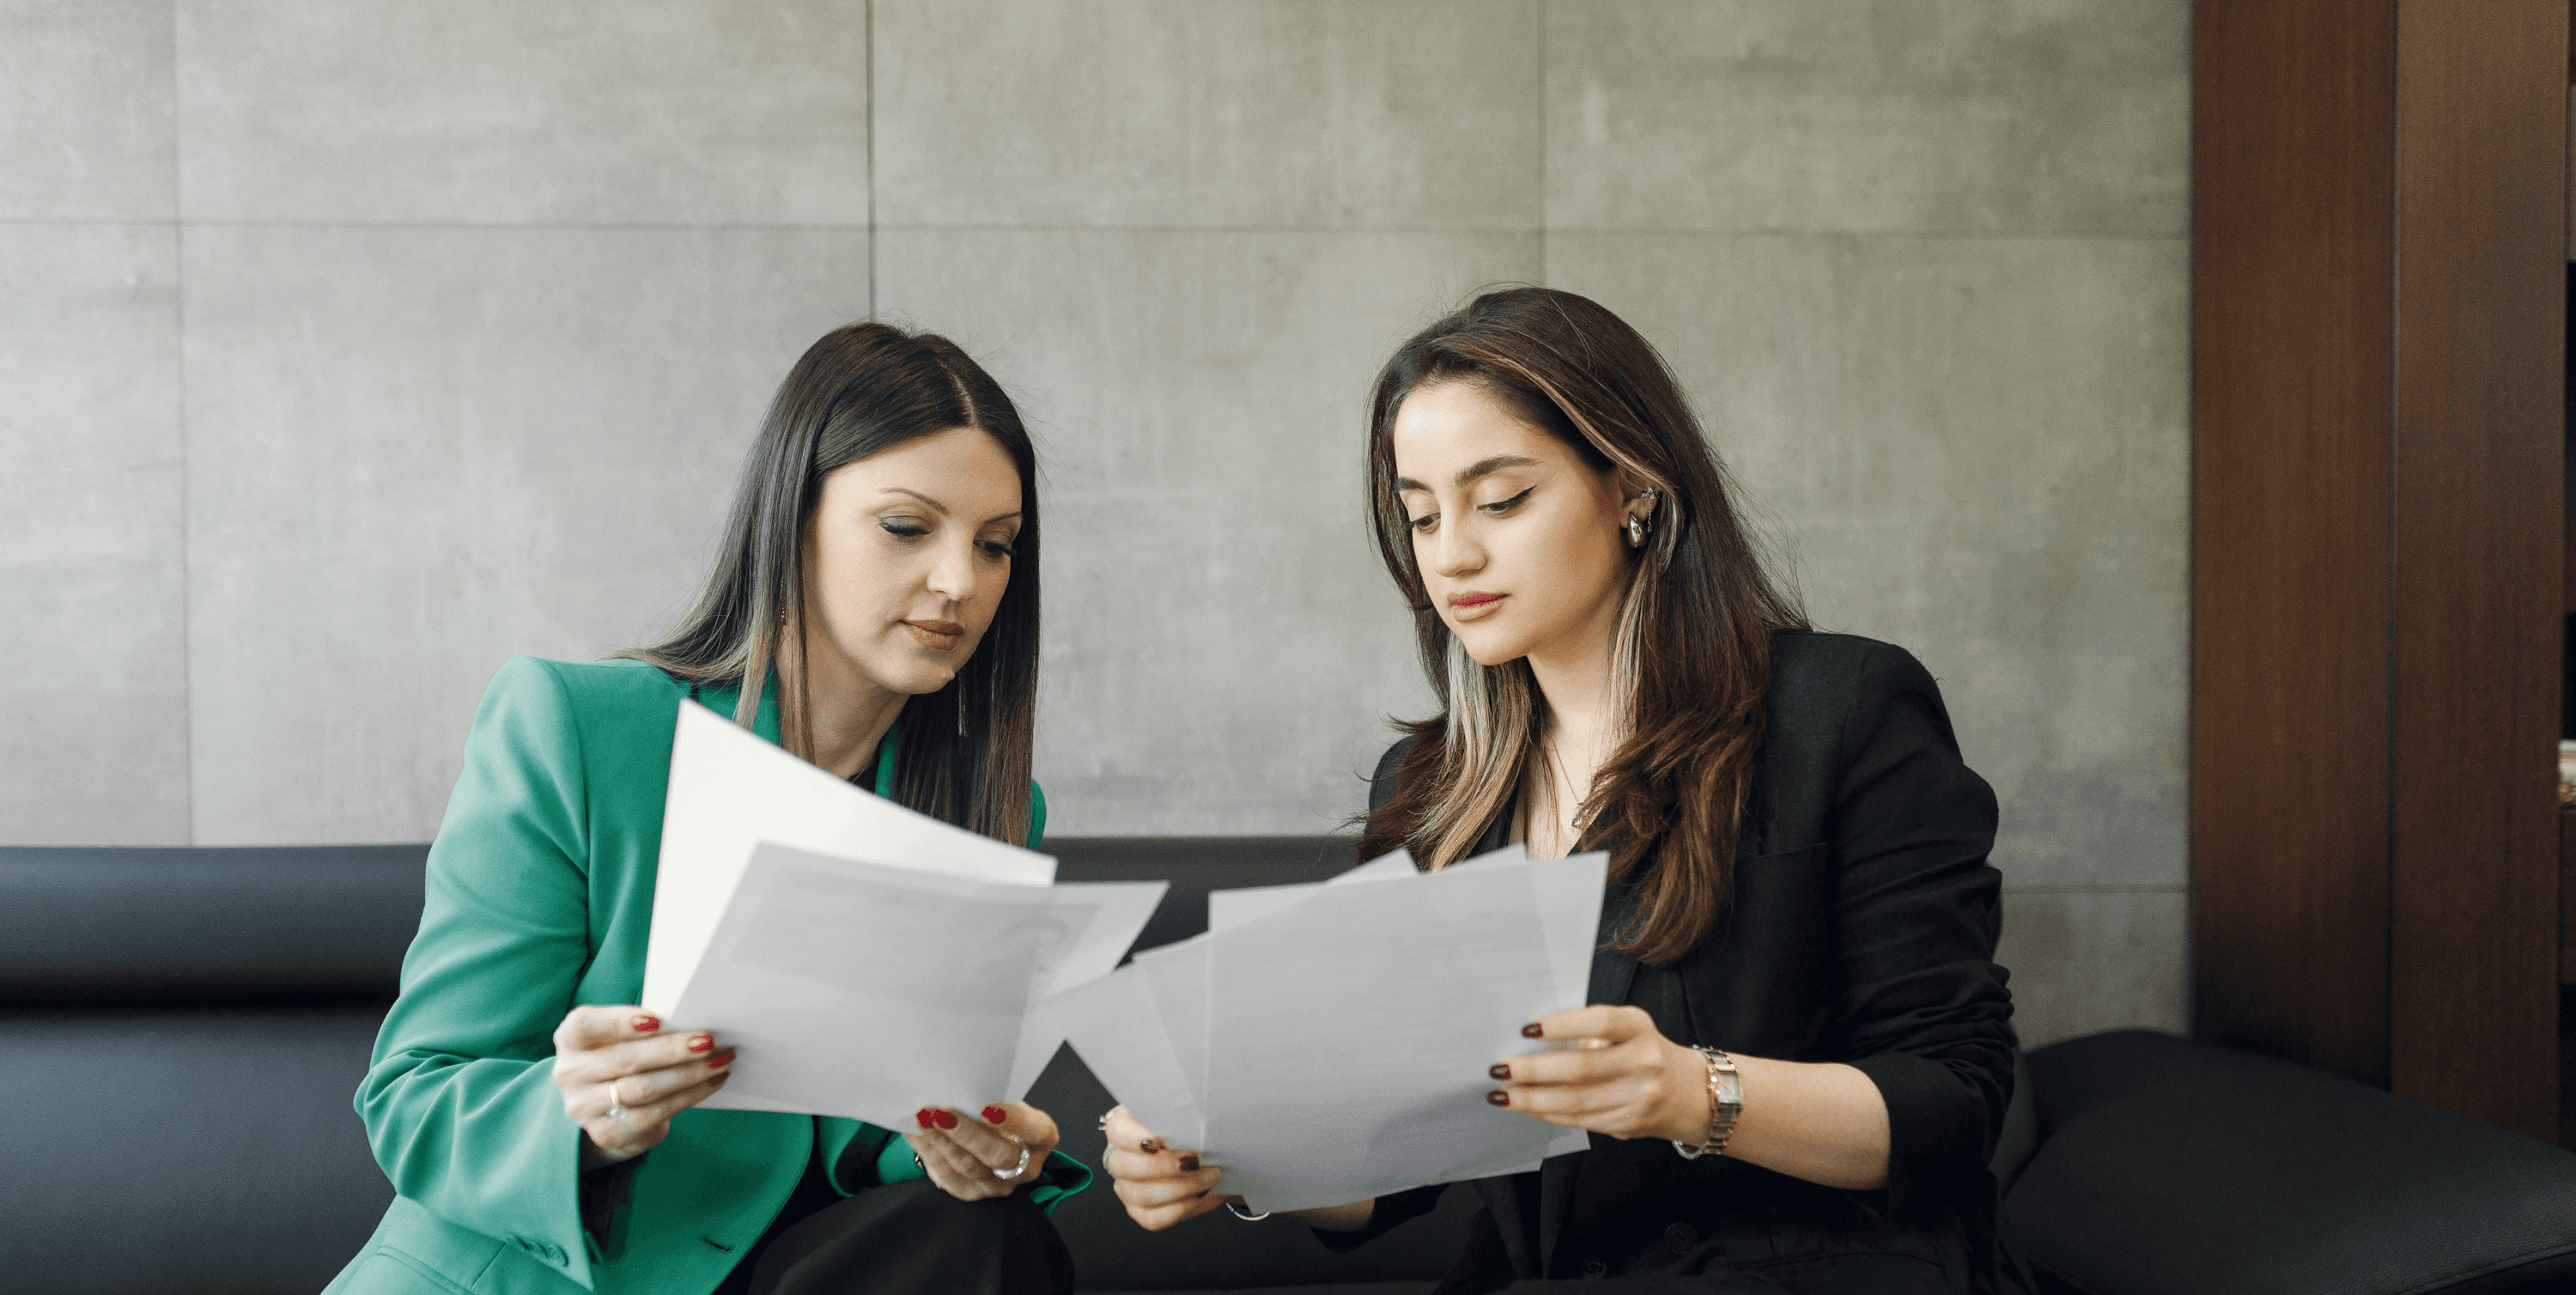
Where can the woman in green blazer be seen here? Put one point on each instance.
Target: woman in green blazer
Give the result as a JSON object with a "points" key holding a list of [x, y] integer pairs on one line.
{"points": [[879, 576]]}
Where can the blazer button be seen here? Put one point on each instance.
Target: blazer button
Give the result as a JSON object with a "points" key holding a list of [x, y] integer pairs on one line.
{"points": [[1595, 1268], [1681, 1236]]}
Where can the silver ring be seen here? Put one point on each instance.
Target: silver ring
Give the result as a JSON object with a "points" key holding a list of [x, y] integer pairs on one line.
{"points": [[1104, 1121], [615, 1110], [1237, 1211], [1015, 1170]]}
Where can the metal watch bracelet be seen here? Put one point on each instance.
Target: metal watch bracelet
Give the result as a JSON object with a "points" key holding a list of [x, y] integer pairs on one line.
{"points": [[1725, 1102]]}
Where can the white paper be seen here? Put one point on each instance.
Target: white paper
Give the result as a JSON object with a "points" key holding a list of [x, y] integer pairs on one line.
{"points": [[1113, 1024], [730, 790], [1328, 1042], [1363, 1072], [868, 990]]}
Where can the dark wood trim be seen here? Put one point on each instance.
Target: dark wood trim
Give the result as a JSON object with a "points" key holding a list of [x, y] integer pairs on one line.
{"points": [[2293, 143], [2379, 542], [2478, 519]]}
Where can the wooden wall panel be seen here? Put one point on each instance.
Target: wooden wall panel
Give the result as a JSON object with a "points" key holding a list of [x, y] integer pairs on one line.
{"points": [[2293, 149], [2478, 518]]}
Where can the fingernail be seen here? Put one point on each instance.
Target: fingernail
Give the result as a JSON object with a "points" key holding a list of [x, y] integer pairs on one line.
{"points": [[647, 1024], [995, 1115], [1498, 1098], [1531, 1031], [702, 1042], [1150, 1145], [1189, 1164], [721, 1059], [1500, 1071], [946, 1119], [928, 1117]]}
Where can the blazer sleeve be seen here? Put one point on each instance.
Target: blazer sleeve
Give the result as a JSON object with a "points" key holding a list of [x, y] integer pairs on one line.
{"points": [[460, 1104], [1923, 1011]]}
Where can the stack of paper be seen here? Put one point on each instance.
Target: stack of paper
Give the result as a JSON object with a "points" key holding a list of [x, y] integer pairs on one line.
{"points": [[863, 959], [1328, 1043]]}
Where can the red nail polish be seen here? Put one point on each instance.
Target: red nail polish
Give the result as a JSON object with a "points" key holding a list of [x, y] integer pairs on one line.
{"points": [[647, 1024], [722, 1059], [1498, 1098], [995, 1115], [1531, 1031], [928, 1117], [1189, 1164], [702, 1042], [1500, 1071], [946, 1119]]}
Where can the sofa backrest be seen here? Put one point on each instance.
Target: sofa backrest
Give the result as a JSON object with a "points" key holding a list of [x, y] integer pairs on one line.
{"points": [[182, 1030]]}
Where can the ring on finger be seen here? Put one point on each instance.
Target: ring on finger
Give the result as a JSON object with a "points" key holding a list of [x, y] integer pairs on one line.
{"points": [[1015, 1171], [616, 1109]]}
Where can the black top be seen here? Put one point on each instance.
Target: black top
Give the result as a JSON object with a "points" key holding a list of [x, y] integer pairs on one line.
{"points": [[1859, 927]]}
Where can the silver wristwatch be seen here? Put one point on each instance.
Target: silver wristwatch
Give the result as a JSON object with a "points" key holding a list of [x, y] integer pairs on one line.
{"points": [[1725, 1102]]}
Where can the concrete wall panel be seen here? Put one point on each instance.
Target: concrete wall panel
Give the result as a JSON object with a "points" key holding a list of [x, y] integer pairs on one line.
{"points": [[1868, 115], [93, 602], [2087, 961], [416, 453], [87, 130], [1416, 114], [485, 111]]}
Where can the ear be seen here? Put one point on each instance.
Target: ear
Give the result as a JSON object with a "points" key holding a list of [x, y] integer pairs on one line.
{"points": [[1632, 495]]}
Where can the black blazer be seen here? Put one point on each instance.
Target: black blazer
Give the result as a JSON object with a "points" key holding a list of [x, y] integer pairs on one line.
{"points": [[1859, 927]]}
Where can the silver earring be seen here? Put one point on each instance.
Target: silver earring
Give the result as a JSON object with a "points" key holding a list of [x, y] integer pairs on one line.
{"points": [[961, 710], [1636, 532]]}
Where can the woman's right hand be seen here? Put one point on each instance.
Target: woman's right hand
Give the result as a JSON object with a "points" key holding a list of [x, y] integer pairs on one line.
{"points": [[623, 1078], [1158, 1185]]}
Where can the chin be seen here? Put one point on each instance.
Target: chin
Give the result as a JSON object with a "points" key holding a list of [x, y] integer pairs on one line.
{"points": [[913, 678], [1487, 648]]}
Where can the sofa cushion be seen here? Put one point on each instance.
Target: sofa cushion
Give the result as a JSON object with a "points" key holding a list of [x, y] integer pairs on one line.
{"points": [[2168, 1166], [206, 1151]]}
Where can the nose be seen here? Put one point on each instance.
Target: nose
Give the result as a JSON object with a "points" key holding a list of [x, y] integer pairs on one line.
{"points": [[953, 576], [1454, 554]]}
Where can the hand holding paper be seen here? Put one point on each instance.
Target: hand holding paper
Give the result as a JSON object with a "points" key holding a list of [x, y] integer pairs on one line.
{"points": [[1329, 1043], [864, 960]]}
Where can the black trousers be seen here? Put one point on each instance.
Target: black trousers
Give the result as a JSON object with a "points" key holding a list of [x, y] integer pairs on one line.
{"points": [[907, 1238]]}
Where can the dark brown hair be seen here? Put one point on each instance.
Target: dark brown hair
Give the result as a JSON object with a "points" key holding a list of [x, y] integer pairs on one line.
{"points": [[1691, 656], [862, 389]]}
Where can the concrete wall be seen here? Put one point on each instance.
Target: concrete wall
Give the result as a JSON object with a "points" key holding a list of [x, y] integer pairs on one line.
{"points": [[348, 350]]}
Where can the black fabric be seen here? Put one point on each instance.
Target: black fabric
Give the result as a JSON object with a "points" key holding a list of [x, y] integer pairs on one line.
{"points": [[1859, 927], [911, 1238], [2168, 1165]]}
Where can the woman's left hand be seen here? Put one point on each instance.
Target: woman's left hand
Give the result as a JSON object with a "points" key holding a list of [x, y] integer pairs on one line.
{"points": [[966, 1155], [1622, 1077]]}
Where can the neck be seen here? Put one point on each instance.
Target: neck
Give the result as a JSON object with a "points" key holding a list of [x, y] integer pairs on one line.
{"points": [[1580, 710], [846, 713]]}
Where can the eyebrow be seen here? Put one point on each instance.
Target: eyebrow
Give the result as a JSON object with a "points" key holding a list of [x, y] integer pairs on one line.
{"points": [[942, 509], [1483, 467]]}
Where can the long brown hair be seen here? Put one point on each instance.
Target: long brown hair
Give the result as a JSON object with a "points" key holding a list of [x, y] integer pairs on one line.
{"points": [[862, 389], [1691, 654]]}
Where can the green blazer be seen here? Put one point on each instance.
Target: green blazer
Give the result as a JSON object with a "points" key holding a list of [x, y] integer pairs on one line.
{"points": [[539, 898]]}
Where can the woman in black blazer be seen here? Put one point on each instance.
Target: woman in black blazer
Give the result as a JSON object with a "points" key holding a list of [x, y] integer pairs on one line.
{"points": [[1800, 1048]]}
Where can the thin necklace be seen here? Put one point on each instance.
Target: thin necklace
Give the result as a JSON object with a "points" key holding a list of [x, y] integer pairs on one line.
{"points": [[1556, 769]]}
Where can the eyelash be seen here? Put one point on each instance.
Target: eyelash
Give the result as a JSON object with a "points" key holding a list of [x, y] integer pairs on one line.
{"points": [[1497, 508], [904, 528]]}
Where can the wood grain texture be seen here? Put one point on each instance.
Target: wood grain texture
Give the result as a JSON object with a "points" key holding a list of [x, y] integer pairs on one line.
{"points": [[2293, 147], [2478, 515]]}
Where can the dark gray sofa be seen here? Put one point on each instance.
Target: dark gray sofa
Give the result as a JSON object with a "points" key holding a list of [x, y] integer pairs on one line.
{"points": [[181, 1030]]}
